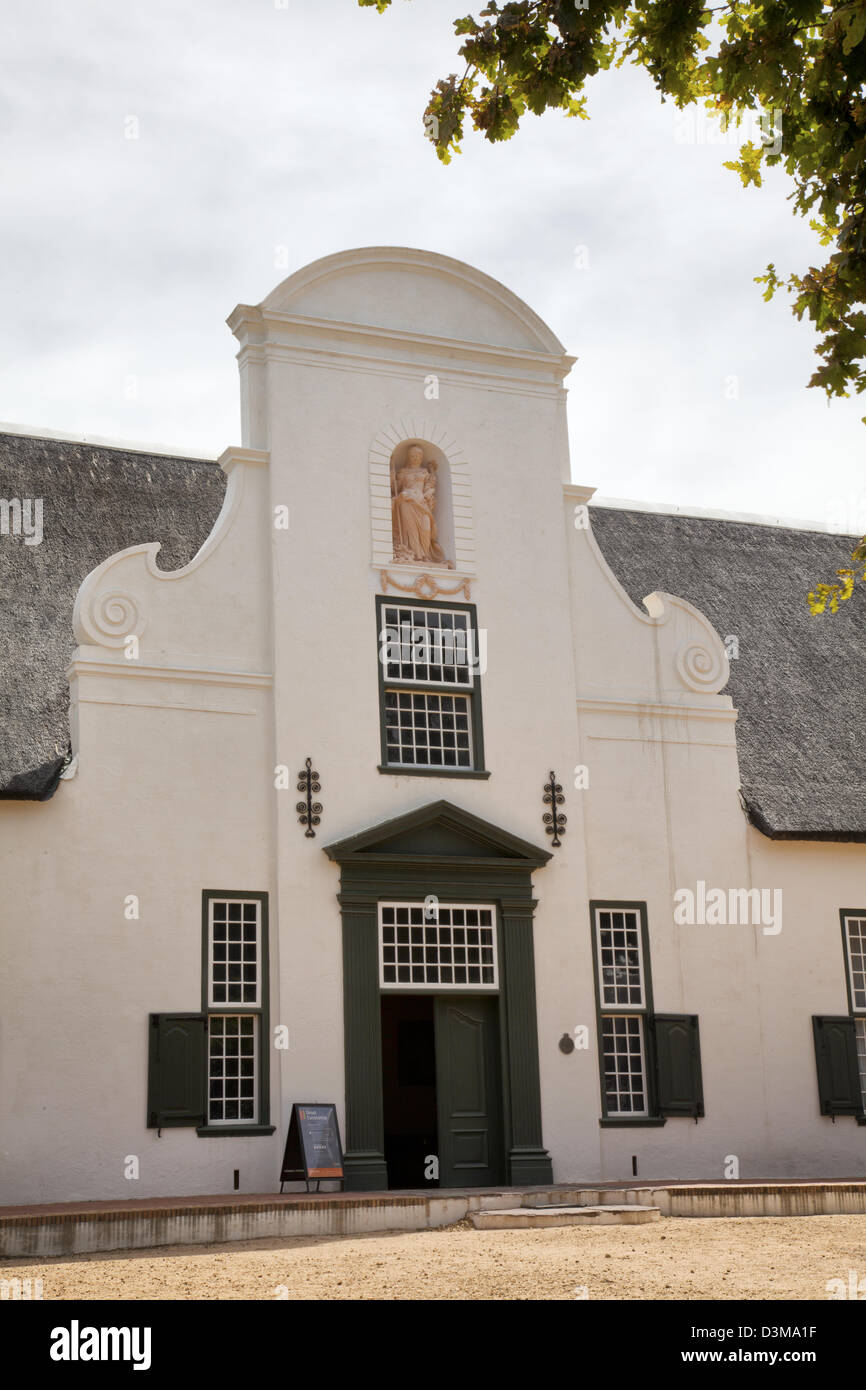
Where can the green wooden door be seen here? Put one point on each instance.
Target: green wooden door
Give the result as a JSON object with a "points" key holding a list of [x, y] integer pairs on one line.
{"points": [[469, 1091]]}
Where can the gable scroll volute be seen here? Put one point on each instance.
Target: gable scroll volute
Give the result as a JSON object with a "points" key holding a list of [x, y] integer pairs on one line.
{"points": [[183, 614], [690, 654]]}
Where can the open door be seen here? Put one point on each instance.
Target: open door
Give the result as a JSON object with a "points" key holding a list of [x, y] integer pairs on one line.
{"points": [[469, 1091], [409, 1090]]}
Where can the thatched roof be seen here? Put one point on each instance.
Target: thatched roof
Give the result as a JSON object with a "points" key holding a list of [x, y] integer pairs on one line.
{"points": [[96, 500], [798, 682]]}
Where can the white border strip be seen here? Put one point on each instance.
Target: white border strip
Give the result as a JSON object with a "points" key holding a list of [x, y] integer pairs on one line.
{"points": [[626, 504], [99, 441]]}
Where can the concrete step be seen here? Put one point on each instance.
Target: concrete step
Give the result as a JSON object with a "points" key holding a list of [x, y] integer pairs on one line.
{"points": [[531, 1218], [78, 1228]]}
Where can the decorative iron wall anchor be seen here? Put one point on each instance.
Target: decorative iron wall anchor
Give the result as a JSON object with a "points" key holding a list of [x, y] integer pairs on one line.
{"points": [[554, 821], [309, 811]]}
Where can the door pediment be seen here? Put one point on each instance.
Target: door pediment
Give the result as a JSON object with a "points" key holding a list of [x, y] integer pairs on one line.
{"points": [[439, 830]]}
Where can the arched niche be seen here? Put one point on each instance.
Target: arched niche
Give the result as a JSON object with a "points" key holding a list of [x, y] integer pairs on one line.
{"points": [[436, 464], [453, 506]]}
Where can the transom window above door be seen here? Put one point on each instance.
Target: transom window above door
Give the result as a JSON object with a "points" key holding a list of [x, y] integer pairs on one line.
{"points": [[438, 946]]}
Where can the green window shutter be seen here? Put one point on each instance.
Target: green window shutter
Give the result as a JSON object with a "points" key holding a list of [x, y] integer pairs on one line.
{"points": [[836, 1058], [176, 1070], [679, 1088]]}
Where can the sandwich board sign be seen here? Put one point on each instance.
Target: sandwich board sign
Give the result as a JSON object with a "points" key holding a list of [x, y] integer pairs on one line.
{"points": [[313, 1147]]}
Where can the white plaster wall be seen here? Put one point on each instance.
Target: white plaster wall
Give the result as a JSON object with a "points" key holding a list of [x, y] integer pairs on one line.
{"points": [[80, 979], [802, 976], [662, 812], [173, 794], [321, 420], [264, 651], [175, 785]]}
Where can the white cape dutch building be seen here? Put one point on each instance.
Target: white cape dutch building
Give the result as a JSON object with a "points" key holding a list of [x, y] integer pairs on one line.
{"points": [[545, 908]]}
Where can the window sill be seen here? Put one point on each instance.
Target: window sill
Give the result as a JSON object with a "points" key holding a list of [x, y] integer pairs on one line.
{"points": [[644, 1122], [234, 1131], [395, 770]]}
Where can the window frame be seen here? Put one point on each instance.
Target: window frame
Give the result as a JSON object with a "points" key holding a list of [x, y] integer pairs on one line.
{"points": [[425, 987], [860, 1028], [227, 1006], [260, 1011], [628, 1006], [621, 1119], [857, 1014], [642, 1033], [844, 914], [471, 692]]}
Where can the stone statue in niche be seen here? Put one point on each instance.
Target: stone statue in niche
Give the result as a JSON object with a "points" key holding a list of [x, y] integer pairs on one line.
{"points": [[413, 511]]}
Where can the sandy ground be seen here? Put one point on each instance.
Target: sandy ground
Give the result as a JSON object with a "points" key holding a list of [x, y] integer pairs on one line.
{"points": [[750, 1258]]}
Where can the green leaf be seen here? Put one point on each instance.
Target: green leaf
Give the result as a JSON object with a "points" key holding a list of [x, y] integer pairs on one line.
{"points": [[801, 63]]}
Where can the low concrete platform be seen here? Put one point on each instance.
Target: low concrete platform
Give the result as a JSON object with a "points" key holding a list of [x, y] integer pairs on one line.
{"points": [[75, 1228], [531, 1218]]}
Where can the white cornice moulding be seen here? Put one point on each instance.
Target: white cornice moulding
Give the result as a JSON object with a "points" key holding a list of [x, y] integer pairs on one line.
{"points": [[235, 454], [576, 492], [275, 329], [652, 709], [161, 705], [402, 369], [89, 666]]}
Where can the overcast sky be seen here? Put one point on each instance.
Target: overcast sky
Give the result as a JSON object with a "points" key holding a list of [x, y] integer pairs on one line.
{"points": [[291, 129]]}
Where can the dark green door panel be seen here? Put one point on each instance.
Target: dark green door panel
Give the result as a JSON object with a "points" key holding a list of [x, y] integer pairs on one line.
{"points": [[469, 1091]]}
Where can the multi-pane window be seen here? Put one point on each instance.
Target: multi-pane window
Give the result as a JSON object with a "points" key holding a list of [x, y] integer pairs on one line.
{"points": [[430, 645], [860, 1028], [624, 1064], [854, 925], [429, 660], [649, 1062], [855, 941], [619, 957], [232, 1079], [622, 1006], [427, 730], [235, 942], [437, 946], [234, 995]]}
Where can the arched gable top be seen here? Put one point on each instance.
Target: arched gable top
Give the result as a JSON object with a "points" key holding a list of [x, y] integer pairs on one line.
{"points": [[415, 292]]}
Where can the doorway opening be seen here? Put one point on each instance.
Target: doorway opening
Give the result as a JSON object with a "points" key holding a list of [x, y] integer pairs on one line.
{"points": [[409, 1090], [442, 1091]]}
